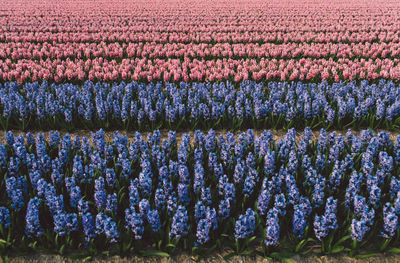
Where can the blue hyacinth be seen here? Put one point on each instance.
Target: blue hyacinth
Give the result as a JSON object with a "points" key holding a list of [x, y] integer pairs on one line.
{"points": [[5, 217], [33, 227], [245, 225], [180, 223]]}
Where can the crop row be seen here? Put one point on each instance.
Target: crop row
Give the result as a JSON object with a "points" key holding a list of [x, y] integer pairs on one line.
{"points": [[143, 106], [203, 193], [207, 35], [42, 51], [211, 16], [144, 69]]}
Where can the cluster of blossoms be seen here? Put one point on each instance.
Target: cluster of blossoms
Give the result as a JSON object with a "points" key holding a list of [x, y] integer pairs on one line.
{"points": [[217, 40], [202, 186], [200, 105]]}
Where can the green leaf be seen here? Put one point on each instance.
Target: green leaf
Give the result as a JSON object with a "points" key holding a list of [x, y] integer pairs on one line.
{"points": [[170, 245], [249, 240], [155, 253], [366, 255], [385, 244], [61, 251], [306, 251], [87, 258], [303, 243], [282, 256], [337, 249], [229, 256], [394, 250], [340, 241]]}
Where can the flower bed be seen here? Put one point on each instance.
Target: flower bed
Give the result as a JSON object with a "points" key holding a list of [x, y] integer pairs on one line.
{"points": [[153, 196], [139, 106]]}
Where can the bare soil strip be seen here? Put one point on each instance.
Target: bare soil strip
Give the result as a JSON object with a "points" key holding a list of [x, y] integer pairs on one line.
{"points": [[382, 258], [164, 134]]}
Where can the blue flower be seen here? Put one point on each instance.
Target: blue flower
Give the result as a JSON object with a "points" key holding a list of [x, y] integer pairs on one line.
{"points": [[144, 207], [33, 227], [104, 224], [180, 223], [245, 225], [65, 223], [88, 226], [153, 218], [134, 222], [203, 231], [272, 228], [4, 217], [110, 177], [224, 209], [358, 229], [269, 163], [390, 221], [100, 194], [323, 224], [111, 203], [263, 202]]}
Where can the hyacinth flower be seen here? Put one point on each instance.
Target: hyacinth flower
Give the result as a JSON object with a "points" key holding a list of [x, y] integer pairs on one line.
{"points": [[153, 218], [33, 227], [15, 188], [88, 225], [104, 224], [272, 227], [300, 216], [134, 222], [100, 194], [180, 223], [327, 222], [390, 221], [245, 225], [203, 231], [65, 223], [5, 217]]}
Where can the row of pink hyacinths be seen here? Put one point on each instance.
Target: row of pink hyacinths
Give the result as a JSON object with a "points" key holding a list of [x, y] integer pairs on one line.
{"points": [[29, 50], [196, 35], [198, 70]]}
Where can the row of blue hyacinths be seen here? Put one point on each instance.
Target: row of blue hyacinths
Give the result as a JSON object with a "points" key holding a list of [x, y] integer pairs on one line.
{"points": [[200, 105], [250, 193]]}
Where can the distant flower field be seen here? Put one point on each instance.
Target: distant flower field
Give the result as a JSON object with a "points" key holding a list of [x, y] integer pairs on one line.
{"points": [[190, 40], [225, 75]]}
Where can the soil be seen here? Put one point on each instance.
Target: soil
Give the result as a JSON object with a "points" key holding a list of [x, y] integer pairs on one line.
{"points": [[383, 258], [164, 134]]}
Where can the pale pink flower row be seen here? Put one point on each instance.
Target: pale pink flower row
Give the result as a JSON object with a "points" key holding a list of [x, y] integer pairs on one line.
{"points": [[214, 35], [199, 69], [30, 50]]}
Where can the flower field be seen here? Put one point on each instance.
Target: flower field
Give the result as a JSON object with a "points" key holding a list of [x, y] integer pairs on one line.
{"points": [[193, 93]]}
